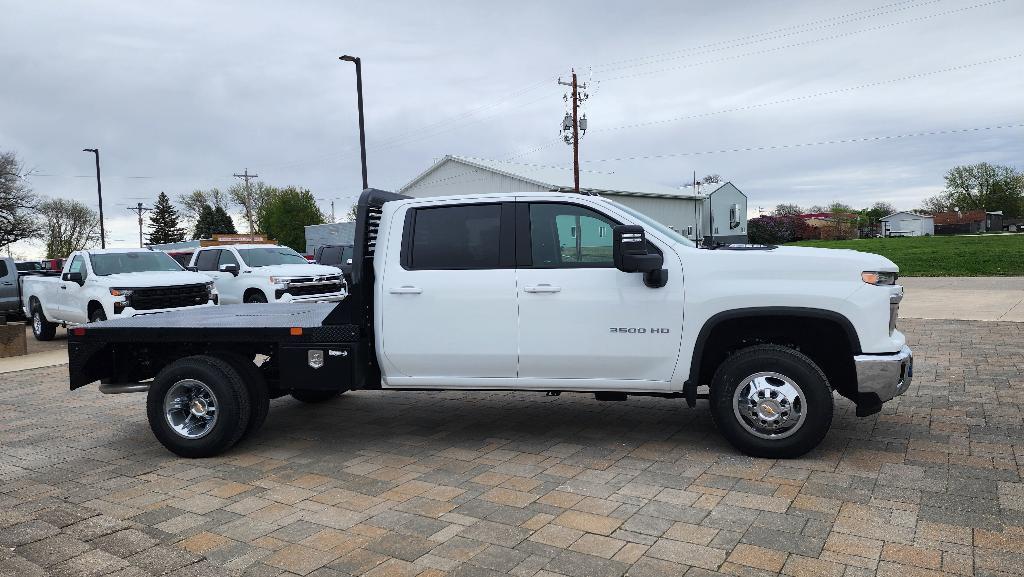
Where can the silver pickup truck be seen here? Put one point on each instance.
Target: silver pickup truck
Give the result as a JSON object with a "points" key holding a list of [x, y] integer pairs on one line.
{"points": [[10, 288]]}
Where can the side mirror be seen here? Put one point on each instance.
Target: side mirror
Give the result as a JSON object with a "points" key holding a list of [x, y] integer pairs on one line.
{"points": [[629, 252], [75, 277], [231, 268], [192, 268]]}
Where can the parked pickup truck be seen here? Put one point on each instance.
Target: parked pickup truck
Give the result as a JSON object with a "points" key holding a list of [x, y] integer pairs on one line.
{"points": [[259, 273], [338, 255], [543, 292], [10, 288], [96, 285]]}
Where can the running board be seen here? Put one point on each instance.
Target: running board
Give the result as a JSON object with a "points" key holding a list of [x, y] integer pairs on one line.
{"points": [[117, 389]]}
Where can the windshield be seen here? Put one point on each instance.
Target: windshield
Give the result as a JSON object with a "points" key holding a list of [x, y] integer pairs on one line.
{"points": [[121, 262], [671, 234], [271, 255], [24, 266]]}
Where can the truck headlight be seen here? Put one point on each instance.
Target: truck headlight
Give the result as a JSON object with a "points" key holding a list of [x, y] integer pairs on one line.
{"points": [[280, 280], [879, 278], [114, 292]]}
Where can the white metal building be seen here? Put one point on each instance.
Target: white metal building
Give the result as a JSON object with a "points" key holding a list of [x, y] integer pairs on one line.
{"points": [[907, 224], [684, 211]]}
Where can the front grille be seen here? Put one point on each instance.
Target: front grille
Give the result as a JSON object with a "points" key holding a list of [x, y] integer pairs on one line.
{"points": [[316, 289], [146, 299]]}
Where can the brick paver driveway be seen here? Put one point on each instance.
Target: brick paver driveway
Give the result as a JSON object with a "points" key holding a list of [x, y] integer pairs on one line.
{"points": [[384, 483]]}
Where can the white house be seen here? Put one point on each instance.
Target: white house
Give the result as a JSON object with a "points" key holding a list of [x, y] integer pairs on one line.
{"points": [[685, 211], [908, 224]]}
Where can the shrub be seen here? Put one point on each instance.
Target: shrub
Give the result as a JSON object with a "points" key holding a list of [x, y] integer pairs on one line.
{"points": [[776, 229]]}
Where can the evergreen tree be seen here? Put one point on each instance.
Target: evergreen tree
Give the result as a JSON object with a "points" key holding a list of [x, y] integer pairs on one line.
{"points": [[163, 222], [213, 221]]}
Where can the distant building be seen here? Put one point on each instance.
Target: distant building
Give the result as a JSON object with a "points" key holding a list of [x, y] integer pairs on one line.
{"points": [[907, 224], [719, 211], [968, 222]]}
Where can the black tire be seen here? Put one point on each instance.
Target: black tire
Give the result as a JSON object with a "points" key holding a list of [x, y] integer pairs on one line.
{"points": [[816, 401], [42, 329], [97, 315], [231, 398], [259, 397], [255, 296], [314, 396]]}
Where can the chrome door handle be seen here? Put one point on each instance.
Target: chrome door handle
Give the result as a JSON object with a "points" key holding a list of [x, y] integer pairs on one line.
{"points": [[543, 288], [406, 290], [63, 287]]}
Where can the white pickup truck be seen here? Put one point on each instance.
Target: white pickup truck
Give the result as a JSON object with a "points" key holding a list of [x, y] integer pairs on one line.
{"points": [[96, 285], [535, 291], [260, 273]]}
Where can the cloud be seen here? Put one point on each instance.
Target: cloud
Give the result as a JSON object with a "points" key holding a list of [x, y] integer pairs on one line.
{"points": [[189, 95]]}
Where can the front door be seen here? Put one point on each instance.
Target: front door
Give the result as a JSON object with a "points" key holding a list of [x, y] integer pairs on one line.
{"points": [[9, 301], [579, 316], [448, 310], [73, 301], [208, 262]]}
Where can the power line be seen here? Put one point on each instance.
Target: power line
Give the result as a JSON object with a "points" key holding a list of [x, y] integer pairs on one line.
{"points": [[812, 95], [810, 144], [831, 21], [802, 43]]}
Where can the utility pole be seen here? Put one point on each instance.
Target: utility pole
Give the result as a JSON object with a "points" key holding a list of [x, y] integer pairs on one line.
{"points": [[140, 210], [248, 196], [359, 103], [574, 124], [99, 193], [332, 211]]}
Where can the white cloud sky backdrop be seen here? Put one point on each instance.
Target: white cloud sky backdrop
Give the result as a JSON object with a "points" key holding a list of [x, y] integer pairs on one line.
{"points": [[185, 94]]}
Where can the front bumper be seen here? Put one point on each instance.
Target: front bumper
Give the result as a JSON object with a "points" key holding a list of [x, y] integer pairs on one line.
{"points": [[321, 298], [126, 312], [880, 378]]}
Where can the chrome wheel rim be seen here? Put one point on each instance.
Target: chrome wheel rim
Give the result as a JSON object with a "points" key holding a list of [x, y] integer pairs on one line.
{"points": [[769, 405], [190, 408], [37, 323]]}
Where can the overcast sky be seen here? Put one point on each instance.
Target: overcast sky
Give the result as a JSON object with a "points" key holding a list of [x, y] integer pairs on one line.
{"points": [[181, 95]]}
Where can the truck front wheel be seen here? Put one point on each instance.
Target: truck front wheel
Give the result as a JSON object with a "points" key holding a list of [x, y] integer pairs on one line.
{"points": [[42, 329], [198, 406], [771, 401]]}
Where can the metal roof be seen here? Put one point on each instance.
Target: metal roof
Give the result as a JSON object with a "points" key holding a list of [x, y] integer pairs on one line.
{"points": [[556, 178]]}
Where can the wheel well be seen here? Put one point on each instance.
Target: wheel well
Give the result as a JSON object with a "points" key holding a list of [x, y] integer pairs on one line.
{"points": [[250, 291], [93, 305], [825, 340]]}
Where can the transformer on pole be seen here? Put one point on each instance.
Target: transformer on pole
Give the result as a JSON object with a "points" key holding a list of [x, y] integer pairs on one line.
{"points": [[574, 126]]}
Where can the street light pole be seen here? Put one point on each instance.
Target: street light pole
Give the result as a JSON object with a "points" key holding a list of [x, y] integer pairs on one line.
{"points": [[359, 103], [99, 193]]}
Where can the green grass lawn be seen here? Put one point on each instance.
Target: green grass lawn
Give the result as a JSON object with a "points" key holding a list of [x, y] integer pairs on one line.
{"points": [[987, 255]]}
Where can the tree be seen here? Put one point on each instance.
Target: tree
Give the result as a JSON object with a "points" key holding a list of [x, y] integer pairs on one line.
{"points": [[787, 210], [17, 219], [352, 213], [985, 186], [776, 229], [251, 200], [163, 222], [285, 215], [68, 225], [193, 202], [870, 217], [935, 204], [711, 179], [211, 221]]}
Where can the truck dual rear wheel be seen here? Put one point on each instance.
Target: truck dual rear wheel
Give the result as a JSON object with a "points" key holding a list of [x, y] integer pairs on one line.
{"points": [[42, 329], [771, 401], [198, 406]]}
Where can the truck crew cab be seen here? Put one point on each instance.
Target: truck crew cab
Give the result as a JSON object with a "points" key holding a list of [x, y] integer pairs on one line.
{"points": [[546, 292]]}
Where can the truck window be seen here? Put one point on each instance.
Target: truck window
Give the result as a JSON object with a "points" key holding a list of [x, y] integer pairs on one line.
{"points": [[346, 254], [226, 257], [456, 237], [142, 261], [3, 269], [566, 236], [330, 255], [270, 255], [207, 259], [78, 265]]}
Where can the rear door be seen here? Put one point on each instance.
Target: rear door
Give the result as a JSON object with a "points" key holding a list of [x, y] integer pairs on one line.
{"points": [[448, 305], [580, 317]]}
